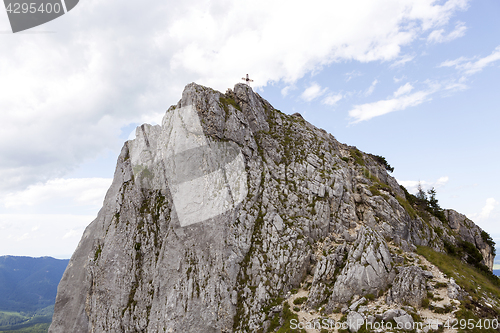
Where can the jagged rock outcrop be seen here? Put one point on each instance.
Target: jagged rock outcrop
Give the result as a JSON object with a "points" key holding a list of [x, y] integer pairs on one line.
{"points": [[468, 231], [216, 215], [409, 287], [324, 275], [454, 290], [367, 270]]}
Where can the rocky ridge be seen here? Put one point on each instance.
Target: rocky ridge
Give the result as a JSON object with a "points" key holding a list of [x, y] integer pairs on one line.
{"points": [[318, 218]]}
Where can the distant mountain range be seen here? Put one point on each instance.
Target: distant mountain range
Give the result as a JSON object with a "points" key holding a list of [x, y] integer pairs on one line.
{"points": [[28, 288]]}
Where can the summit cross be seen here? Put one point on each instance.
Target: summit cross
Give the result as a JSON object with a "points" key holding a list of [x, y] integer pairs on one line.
{"points": [[247, 80]]}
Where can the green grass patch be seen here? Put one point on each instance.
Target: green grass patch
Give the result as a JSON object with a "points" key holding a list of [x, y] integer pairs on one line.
{"points": [[299, 300], [369, 175], [466, 276], [469, 253], [357, 156], [465, 317], [382, 161], [406, 205], [446, 309], [440, 285], [226, 101], [374, 190], [425, 303], [287, 317]]}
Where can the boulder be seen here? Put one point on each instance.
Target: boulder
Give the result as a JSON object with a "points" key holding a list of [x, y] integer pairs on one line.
{"points": [[368, 268], [355, 321], [392, 313], [454, 290], [404, 322], [409, 287], [355, 304]]}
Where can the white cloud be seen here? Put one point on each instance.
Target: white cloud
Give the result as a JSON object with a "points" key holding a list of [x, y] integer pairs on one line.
{"points": [[72, 233], [438, 36], [403, 60], [454, 63], [471, 67], [488, 218], [314, 91], [397, 80], [66, 95], [457, 85], [402, 99], [352, 75], [441, 181], [412, 185], [403, 90], [55, 235], [368, 111], [285, 90], [332, 99], [74, 194], [490, 205], [370, 90]]}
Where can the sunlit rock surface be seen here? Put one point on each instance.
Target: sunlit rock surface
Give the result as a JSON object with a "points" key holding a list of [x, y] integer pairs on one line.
{"points": [[217, 215]]}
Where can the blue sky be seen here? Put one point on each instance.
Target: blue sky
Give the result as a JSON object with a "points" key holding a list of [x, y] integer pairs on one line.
{"points": [[416, 81]]}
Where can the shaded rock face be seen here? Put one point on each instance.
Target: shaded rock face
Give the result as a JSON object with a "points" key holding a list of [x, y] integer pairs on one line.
{"points": [[470, 232], [215, 215]]}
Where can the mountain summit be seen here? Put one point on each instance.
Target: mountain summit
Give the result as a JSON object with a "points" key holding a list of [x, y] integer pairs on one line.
{"points": [[235, 217]]}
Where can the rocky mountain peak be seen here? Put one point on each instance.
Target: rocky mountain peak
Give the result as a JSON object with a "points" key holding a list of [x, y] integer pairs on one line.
{"points": [[220, 219]]}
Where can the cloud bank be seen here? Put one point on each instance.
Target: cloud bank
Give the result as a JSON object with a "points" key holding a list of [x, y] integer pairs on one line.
{"points": [[67, 94]]}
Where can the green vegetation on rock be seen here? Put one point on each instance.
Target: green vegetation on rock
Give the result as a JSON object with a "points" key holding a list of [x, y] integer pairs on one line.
{"points": [[382, 161], [357, 156], [466, 275], [488, 240]]}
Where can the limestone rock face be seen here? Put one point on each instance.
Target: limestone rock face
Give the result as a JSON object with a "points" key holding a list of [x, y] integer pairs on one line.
{"points": [[454, 290], [214, 216], [368, 268], [325, 274], [409, 287], [470, 232]]}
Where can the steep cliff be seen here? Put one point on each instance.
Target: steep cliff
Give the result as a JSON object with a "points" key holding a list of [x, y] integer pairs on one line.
{"points": [[228, 208]]}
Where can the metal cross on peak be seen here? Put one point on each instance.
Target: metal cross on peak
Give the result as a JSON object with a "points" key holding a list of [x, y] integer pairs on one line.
{"points": [[247, 80]]}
